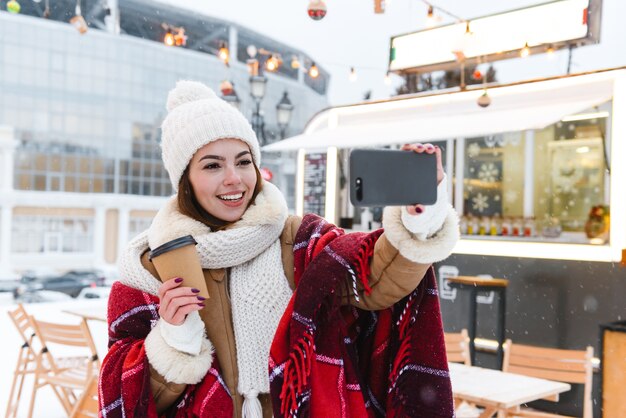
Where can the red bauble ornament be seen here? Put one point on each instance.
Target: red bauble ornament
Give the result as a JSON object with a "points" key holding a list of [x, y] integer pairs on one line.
{"points": [[226, 87], [477, 75], [316, 9], [266, 173]]}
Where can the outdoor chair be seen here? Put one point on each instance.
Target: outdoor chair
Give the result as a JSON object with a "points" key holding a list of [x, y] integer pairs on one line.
{"points": [[66, 374], [458, 351], [570, 366], [87, 404], [26, 360], [457, 347]]}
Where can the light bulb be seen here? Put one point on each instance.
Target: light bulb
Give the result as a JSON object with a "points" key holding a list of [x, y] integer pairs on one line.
{"points": [[430, 17], [525, 51], [271, 64], [169, 38], [314, 72], [352, 77], [223, 53]]}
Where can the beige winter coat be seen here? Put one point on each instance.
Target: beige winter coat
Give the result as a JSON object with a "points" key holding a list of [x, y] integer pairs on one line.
{"points": [[393, 276]]}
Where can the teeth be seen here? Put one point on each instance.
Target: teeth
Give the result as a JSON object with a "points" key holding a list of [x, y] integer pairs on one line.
{"points": [[231, 196]]}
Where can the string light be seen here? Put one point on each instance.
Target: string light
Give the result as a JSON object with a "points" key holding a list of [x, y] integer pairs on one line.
{"points": [[430, 17], [525, 51], [178, 38], [314, 72], [223, 53], [295, 64], [352, 77], [432, 8], [272, 63], [168, 39], [550, 51]]}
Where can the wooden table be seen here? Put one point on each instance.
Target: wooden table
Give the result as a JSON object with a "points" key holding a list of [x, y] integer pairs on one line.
{"points": [[496, 391], [97, 313]]}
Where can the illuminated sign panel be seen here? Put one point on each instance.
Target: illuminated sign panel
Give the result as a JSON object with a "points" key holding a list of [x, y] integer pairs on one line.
{"points": [[556, 25]]}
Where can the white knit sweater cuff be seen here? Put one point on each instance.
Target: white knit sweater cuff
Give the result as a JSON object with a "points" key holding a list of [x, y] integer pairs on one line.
{"points": [[428, 251], [186, 337], [174, 365], [427, 223]]}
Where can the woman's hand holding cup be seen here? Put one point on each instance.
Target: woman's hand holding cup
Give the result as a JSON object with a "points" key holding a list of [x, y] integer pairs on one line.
{"points": [[178, 301]]}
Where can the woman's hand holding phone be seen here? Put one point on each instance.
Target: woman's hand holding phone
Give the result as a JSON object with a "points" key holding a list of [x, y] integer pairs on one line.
{"points": [[419, 148]]}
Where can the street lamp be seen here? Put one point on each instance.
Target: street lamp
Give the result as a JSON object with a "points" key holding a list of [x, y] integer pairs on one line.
{"points": [[283, 114], [257, 91]]}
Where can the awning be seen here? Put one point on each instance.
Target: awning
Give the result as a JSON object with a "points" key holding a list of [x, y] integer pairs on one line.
{"points": [[513, 108]]}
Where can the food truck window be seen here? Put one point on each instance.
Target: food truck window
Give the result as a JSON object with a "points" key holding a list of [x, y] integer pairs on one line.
{"points": [[570, 172], [541, 184], [492, 183]]}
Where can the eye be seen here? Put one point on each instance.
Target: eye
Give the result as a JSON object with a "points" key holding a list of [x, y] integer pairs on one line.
{"points": [[211, 166], [245, 162]]}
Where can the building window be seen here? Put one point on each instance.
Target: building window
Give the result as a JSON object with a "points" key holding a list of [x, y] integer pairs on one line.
{"points": [[137, 225], [144, 173], [52, 234], [62, 167]]}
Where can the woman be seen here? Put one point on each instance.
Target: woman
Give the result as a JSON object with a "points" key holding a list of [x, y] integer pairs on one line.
{"points": [[174, 353]]}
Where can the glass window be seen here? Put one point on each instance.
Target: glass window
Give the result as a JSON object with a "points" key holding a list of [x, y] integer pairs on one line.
{"points": [[574, 182], [493, 184], [52, 234], [546, 195]]}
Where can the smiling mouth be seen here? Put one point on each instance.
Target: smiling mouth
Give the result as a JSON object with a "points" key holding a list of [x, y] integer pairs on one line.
{"points": [[231, 197]]}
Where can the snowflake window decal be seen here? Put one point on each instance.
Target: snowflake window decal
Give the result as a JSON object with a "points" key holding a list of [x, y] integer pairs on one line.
{"points": [[488, 172], [480, 202]]}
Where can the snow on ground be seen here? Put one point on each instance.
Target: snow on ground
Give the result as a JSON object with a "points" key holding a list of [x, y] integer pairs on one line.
{"points": [[46, 404]]}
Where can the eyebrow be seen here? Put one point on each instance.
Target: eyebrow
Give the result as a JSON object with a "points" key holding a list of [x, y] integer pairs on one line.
{"points": [[218, 157]]}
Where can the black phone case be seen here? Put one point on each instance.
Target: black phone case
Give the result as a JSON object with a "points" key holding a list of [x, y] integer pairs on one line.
{"points": [[381, 177]]}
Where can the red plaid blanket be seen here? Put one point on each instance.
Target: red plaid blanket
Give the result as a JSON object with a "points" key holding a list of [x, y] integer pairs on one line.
{"points": [[124, 386], [329, 360]]}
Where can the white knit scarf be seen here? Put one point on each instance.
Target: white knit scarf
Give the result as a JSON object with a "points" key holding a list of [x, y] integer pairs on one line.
{"points": [[259, 289]]}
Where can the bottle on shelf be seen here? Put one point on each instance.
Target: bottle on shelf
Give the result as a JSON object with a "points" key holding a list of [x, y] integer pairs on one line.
{"points": [[505, 229], [516, 227], [530, 229], [495, 227]]}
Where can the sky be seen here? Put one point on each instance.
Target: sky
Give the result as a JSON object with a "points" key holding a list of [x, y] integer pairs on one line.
{"points": [[352, 35]]}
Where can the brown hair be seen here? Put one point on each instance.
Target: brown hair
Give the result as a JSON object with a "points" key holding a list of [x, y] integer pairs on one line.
{"points": [[189, 205]]}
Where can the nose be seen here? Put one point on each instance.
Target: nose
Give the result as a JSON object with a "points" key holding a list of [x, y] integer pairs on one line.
{"points": [[231, 176]]}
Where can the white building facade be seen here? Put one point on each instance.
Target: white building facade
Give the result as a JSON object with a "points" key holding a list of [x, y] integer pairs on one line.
{"points": [[80, 116]]}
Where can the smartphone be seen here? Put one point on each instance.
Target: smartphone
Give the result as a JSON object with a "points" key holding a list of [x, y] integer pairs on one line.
{"points": [[382, 177]]}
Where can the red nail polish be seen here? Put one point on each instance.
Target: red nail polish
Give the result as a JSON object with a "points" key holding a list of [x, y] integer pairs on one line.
{"points": [[418, 209]]}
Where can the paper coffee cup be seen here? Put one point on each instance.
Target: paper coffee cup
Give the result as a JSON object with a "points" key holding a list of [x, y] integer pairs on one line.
{"points": [[178, 258]]}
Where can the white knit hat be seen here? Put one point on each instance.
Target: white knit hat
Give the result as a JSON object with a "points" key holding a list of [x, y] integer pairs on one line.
{"points": [[196, 117]]}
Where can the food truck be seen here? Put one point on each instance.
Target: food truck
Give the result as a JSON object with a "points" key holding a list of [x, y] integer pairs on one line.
{"points": [[537, 179]]}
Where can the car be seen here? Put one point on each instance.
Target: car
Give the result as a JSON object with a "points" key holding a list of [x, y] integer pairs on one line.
{"points": [[68, 284], [8, 280], [94, 293], [94, 275], [43, 296]]}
